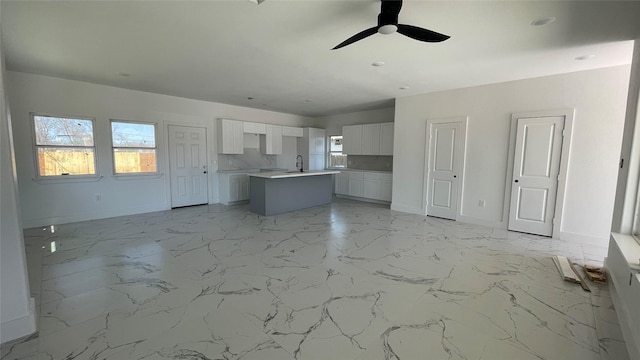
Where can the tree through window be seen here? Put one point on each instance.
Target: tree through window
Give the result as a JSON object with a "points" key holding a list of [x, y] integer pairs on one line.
{"points": [[64, 146]]}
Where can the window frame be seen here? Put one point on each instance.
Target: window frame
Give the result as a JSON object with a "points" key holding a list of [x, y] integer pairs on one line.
{"points": [[155, 148], [329, 152], [35, 146]]}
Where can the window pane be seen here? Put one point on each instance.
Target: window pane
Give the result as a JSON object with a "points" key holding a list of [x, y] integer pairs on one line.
{"points": [[65, 161], [336, 143], [126, 134], [337, 160], [63, 131], [134, 160]]}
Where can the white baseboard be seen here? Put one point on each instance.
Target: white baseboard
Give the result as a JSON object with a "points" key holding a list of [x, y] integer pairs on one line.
{"points": [[357, 198], [407, 209], [90, 215], [481, 222], [20, 327], [584, 239]]}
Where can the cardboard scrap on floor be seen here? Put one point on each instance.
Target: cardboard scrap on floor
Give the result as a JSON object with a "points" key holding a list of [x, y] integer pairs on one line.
{"points": [[568, 272], [595, 274]]}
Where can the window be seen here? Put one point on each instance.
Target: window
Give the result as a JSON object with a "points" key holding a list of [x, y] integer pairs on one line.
{"points": [[64, 146], [134, 147], [336, 158]]}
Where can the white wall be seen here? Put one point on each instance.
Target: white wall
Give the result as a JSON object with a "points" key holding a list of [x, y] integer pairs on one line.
{"points": [[599, 99], [17, 313], [333, 124], [629, 174], [46, 203]]}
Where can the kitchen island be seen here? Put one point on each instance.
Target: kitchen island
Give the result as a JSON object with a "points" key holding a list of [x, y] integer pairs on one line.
{"points": [[279, 192]]}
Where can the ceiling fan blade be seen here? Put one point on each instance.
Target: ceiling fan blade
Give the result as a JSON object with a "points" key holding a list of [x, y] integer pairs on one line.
{"points": [[421, 34], [389, 10], [359, 36]]}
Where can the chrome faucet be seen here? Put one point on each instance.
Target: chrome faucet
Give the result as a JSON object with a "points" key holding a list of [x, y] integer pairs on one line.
{"points": [[299, 164]]}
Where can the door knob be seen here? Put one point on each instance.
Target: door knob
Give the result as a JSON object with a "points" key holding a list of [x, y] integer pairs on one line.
{"points": [[455, 176], [516, 180], [204, 172]]}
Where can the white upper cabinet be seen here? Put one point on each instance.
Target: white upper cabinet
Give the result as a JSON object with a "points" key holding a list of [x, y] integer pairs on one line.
{"points": [[292, 131], [254, 128], [368, 139], [271, 143], [230, 137], [352, 140], [371, 139], [386, 139]]}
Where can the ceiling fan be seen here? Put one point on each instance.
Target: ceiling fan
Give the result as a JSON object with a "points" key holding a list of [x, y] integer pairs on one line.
{"points": [[388, 24]]}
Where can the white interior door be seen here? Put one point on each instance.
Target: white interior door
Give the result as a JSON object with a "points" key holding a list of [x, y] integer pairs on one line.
{"points": [[445, 160], [188, 165], [536, 165]]}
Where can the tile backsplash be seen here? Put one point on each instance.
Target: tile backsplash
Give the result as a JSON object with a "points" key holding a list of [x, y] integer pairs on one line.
{"points": [[251, 159], [370, 162]]}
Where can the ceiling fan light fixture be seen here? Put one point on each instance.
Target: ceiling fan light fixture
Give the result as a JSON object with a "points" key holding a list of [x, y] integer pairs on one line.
{"points": [[387, 29], [257, 2]]}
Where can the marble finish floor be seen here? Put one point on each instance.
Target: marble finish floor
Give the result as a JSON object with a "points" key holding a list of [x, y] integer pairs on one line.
{"points": [[349, 280]]}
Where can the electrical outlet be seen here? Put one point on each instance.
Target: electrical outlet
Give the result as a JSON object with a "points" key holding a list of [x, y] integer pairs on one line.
{"points": [[481, 203]]}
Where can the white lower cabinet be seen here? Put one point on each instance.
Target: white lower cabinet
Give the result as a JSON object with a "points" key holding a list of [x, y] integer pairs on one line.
{"points": [[385, 187], [366, 185], [233, 188], [342, 183], [356, 184]]}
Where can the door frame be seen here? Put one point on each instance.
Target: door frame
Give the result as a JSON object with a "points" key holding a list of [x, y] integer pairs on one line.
{"points": [[464, 120], [190, 121], [565, 152]]}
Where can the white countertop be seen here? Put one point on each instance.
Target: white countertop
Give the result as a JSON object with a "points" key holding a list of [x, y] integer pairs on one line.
{"points": [[248, 171], [292, 174]]}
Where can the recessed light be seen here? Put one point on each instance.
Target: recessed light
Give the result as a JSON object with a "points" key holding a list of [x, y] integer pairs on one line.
{"points": [[124, 74], [404, 87], [378, 63], [585, 57], [543, 21]]}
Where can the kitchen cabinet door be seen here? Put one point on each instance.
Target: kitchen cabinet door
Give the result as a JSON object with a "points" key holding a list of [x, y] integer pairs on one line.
{"points": [[342, 183], [271, 143], [254, 128], [356, 184], [352, 139], [238, 187], [292, 131], [384, 190], [230, 137], [386, 139], [371, 139], [370, 189]]}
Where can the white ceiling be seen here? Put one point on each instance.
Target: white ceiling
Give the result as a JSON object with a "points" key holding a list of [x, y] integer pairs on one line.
{"points": [[279, 52]]}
